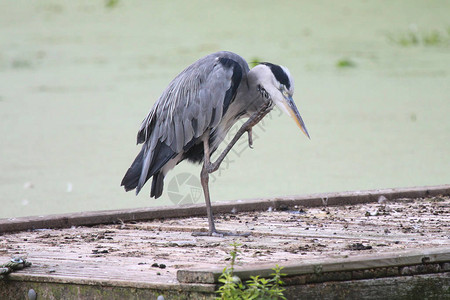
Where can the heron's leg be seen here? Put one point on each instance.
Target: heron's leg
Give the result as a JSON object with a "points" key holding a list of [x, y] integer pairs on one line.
{"points": [[246, 127], [209, 167], [204, 178]]}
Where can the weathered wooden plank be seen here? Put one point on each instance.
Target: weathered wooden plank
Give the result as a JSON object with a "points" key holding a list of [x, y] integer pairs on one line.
{"points": [[262, 230], [314, 200], [405, 258]]}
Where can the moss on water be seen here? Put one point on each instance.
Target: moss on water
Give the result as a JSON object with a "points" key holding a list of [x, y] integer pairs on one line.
{"points": [[345, 63], [76, 79], [420, 38]]}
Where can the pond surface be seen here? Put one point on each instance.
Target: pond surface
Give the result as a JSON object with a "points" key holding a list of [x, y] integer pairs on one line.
{"points": [[372, 83]]}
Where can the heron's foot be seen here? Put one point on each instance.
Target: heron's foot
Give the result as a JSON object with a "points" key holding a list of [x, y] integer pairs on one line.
{"points": [[259, 115], [217, 233], [250, 137]]}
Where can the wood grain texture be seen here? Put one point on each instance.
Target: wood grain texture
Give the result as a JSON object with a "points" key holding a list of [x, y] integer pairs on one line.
{"points": [[396, 238]]}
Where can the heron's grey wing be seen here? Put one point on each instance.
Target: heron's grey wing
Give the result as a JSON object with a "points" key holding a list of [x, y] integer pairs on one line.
{"points": [[194, 102], [197, 101]]}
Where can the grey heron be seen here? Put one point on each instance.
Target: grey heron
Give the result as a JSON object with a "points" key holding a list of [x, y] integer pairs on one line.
{"points": [[195, 112]]}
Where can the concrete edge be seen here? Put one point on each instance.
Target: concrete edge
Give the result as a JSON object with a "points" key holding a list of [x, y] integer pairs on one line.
{"points": [[40, 278]]}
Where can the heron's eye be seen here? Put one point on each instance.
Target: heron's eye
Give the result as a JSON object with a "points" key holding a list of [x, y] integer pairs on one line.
{"points": [[284, 90]]}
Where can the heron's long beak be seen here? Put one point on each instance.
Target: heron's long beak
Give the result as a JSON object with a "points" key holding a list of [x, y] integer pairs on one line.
{"points": [[293, 111]]}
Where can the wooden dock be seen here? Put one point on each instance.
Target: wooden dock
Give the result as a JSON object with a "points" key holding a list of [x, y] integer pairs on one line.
{"points": [[384, 244]]}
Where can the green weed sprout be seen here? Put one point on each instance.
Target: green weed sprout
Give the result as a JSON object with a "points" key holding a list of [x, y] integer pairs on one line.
{"points": [[256, 287]]}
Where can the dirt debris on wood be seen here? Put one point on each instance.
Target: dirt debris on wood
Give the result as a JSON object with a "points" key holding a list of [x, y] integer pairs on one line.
{"points": [[155, 250]]}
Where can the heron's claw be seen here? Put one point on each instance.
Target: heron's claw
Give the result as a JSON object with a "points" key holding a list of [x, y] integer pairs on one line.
{"points": [[250, 138], [220, 234]]}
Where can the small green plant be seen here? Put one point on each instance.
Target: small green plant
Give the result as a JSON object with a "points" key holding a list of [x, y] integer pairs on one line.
{"points": [[255, 288]]}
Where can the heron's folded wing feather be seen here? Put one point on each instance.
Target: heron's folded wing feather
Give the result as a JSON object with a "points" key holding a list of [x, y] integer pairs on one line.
{"points": [[195, 100]]}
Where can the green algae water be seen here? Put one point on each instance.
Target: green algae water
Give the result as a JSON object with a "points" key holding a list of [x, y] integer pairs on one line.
{"points": [[372, 82]]}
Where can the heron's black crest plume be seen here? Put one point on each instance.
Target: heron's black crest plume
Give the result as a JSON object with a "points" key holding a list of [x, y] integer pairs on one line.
{"points": [[279, 74]]}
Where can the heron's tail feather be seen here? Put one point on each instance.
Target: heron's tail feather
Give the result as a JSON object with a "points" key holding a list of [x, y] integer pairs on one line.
{"points": [[131, 179], [157, 185], [147, 164], [146, 171]]}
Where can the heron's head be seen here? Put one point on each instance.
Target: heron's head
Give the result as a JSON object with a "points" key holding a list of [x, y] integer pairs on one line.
{"points": [[276, 82]]}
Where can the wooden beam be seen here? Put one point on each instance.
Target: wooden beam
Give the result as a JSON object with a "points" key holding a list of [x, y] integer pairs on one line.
{"points": [[138, 214], [323, 266]]}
